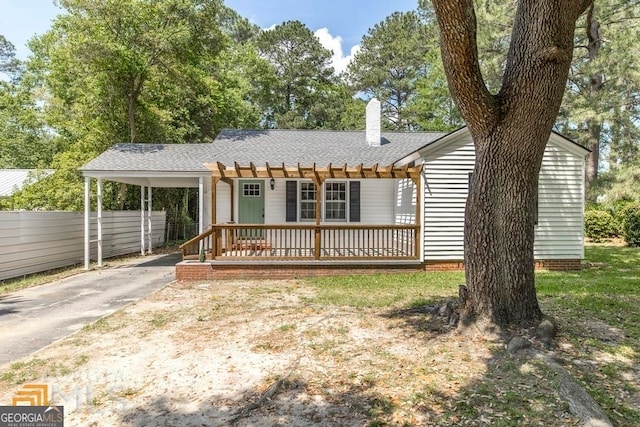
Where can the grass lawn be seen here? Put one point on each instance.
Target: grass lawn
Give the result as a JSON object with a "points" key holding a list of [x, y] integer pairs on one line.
{"points": [[353, 350], [597, 309]]}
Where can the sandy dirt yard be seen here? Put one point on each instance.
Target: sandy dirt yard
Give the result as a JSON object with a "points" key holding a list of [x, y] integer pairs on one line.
{"points": [[262, 353]]}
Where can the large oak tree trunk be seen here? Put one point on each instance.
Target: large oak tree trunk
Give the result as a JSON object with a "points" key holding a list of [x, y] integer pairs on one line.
{"points": [[499, 230], [510, 131]]}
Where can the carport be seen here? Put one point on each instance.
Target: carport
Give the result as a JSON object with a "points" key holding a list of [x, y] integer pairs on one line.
{"points": [[148, 166]]}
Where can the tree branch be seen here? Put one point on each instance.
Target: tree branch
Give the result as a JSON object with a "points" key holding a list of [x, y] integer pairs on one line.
{"points": [[457, 22]]}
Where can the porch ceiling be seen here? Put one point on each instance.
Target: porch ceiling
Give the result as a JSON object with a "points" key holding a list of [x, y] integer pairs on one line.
{"points": [[313, 172]]}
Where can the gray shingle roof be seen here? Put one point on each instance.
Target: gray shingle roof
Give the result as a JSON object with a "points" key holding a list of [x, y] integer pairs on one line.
{"points": [[291, 147]]}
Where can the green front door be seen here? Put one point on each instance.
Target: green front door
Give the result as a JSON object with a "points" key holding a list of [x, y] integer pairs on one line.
{"points": [[251, 205]]}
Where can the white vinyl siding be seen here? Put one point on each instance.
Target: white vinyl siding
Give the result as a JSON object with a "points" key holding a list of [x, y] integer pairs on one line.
{"points": [[405, 201], [376, 201], [223, 203], [559, 233], [446, 174], [560, 206]]}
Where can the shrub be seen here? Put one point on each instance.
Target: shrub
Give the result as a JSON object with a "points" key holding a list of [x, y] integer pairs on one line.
{"points": [[598, 225], [632, 224], [618, 209]]}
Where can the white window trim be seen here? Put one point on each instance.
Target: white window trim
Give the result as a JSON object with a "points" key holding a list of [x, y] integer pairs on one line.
{"points": [[324, 201]]}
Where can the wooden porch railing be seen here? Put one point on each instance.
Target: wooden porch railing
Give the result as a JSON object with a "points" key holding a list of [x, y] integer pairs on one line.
{"points": [[305, 242]]}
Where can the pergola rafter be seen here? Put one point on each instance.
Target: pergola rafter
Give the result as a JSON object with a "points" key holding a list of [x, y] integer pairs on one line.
{"points": [[313, 172]]}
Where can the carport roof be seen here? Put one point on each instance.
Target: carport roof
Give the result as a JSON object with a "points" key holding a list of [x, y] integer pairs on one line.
{"points": [[181, 165]]}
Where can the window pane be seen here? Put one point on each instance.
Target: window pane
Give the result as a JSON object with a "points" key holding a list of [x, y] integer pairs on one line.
{"points": [[335, 201], [307, 200], [251, 190]]}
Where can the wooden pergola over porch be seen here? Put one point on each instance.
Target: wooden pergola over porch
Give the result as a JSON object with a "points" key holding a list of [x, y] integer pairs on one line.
{"points": [[314, 241]]}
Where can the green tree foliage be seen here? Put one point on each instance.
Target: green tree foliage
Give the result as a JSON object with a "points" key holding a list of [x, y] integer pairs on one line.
{"points": [[391, 63], [133, 54], [301, 88], [9, 65], [602, 103], [601, 106], [138, 71]]}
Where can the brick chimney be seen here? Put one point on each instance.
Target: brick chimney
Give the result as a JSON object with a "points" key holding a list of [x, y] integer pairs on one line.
{"points": [[373, 123]]}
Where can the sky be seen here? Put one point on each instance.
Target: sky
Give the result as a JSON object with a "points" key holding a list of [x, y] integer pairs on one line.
{"points": [[339, 24]]}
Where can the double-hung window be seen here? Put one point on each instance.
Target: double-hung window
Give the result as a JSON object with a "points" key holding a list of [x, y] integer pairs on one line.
{"points": [[335, 197], [340, 201], [308, 194]]}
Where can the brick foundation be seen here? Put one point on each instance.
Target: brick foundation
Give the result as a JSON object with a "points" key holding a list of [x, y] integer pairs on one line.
{"points": [[549, 264], [559, 264], [195, 271], [443, 266], [190, 271]]}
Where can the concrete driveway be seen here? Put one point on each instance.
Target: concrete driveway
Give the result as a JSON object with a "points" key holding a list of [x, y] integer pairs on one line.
{"points": [[35, 317]]}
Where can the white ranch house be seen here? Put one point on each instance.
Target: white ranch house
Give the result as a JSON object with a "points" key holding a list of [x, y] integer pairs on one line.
{"points": [[282, 203]]}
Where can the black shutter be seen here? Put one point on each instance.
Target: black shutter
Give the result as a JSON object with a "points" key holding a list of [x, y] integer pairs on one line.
{"points": [[354, 201], [292, 201]]}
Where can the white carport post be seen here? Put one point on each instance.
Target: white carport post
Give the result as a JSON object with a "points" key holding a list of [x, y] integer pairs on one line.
{"points": [[99, 220], [200, 205], [87, 227], [150, 207], [143, 189]]}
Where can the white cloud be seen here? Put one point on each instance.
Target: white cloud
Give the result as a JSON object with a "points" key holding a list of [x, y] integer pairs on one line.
{"points": [[338, 60]]}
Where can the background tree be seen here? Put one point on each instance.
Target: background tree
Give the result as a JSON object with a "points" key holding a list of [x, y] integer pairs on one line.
{"points": [[24, 140], [600, 109], [510, 130], [301, 76], [390, 64], [132, 70]]}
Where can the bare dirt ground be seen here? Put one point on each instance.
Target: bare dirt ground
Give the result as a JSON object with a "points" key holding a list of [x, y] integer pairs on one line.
{"points": [[262, 354]]}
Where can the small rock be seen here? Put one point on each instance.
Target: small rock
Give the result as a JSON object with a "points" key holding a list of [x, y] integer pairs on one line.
{"points": [[445, 310], [432, 309], [454, 318], [517, 343], [546, 332]]}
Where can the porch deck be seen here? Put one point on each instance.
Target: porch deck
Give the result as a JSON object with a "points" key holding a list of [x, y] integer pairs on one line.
{"points": [[305, 242]]}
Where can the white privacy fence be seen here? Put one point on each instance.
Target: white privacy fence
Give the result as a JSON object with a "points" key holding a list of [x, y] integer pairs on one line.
{"points": [[31, 242]]}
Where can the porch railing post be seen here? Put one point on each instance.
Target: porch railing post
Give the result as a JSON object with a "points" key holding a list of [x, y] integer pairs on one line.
{"points": [[318, 242], [216, 245]]}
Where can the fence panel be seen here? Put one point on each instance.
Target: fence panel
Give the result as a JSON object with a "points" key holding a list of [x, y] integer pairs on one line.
{"points": [[31, 242]]}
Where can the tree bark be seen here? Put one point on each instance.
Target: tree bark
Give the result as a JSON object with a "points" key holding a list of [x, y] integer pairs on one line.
{"points": [[510, 131], [594, 126]]}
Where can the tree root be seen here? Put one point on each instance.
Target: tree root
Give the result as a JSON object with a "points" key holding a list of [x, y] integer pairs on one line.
{"points": [[268, 394], [581, 404]]}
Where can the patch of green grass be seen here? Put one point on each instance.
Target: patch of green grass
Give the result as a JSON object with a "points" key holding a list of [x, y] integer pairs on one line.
{"points": [[597, 308], [159, 320], [385, 290], [287, 327], [33, 369], [99, 325], [82, 360]]}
